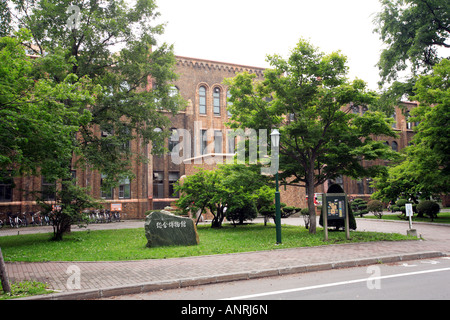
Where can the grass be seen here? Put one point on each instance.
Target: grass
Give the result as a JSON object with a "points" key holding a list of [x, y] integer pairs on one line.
{"points": [[25, 289], [443, 217], [130, 244]]}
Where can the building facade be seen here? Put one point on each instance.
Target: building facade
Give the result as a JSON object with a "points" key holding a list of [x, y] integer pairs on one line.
{"points": [[202, 129]]}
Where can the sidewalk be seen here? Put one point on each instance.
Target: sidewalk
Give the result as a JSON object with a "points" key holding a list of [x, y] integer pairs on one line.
{"points": [[102, 279]]}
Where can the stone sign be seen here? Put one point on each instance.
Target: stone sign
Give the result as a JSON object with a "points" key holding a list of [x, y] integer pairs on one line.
{"points": [[165, 229]]}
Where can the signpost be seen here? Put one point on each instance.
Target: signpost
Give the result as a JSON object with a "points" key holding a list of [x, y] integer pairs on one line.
{"points": [[409, 214], [334, 206]]}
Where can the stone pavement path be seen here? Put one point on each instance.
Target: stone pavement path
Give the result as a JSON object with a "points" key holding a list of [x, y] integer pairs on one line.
{"points": [[100, 279]]}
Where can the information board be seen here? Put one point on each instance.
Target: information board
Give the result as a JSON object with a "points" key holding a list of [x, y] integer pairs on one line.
{"points": [[336, 206]]}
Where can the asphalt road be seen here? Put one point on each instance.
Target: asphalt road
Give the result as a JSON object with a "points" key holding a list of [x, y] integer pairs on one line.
{"points": [[413, 280]]}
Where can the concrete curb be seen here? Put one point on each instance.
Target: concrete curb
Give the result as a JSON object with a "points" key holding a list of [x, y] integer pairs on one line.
{"points": [[189, 282]]}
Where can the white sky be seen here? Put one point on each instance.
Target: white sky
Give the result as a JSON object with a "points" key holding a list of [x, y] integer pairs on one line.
{"points": [[246, 31]]}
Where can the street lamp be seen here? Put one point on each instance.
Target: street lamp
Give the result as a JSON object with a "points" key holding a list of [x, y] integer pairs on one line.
{"points": [[275, 139]]}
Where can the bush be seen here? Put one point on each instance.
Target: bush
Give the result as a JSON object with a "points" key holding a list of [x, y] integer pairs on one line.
{"points": [[429, 208], [376, 207], [400, 203], [287, 211], [359, 207]]}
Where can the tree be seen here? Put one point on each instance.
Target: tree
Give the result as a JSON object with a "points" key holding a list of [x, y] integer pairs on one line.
{"points": [[425, 170], [196, 192], [307, 98], [234, 191], [5, 19], [415, 33], [113, 45], [37, 127]]}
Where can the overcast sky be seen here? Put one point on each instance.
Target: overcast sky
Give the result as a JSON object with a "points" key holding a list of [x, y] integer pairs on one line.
{"points": [[246, 31]]}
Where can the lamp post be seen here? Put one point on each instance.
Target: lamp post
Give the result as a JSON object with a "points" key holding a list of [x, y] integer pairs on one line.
{"points": [[275, 139]]}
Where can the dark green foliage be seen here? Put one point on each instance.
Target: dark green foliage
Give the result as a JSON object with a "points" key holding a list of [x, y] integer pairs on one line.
{"points": [[376, 207], [429, 208], [359, 207]]}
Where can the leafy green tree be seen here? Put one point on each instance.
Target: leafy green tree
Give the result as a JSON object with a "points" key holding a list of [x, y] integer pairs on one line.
{"points": [[196, 192], [234, 191], [37, 126], [415, 33], [5, 19], [425, 170], [307, 96], [112, 45]]}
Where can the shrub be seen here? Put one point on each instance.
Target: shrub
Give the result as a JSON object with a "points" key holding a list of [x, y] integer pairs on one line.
{"points": [[429, 208], [400, 203], [359, 207], [376, 207]]}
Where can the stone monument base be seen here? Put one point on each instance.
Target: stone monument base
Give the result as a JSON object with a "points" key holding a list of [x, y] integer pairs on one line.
{"points": [[165, 229]]}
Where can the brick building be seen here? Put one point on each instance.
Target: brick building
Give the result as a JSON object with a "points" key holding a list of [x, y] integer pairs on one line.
{"points": [[200, 83]]}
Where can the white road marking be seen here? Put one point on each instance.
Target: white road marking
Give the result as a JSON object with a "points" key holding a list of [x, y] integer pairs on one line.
{"points": [[409, 265], [430, 262], [257, 295]]}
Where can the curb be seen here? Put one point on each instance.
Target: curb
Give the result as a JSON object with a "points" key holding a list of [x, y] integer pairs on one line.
{"points": [[189, 282]]}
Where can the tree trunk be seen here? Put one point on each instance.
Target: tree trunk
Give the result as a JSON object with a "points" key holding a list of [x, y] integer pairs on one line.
{"points": [[3, 275], [310, 193]]}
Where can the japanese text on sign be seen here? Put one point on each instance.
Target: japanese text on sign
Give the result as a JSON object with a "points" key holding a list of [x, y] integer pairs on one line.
{"points": [[171, 224]]}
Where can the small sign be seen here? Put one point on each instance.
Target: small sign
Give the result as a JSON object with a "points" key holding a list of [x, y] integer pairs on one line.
{"points": [[116, 207], [409, 209]]}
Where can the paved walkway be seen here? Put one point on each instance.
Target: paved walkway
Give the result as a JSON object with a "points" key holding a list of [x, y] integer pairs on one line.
{"points": [[102, 279]]}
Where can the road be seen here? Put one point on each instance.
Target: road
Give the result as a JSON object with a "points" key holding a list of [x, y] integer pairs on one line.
{"points": [[412, 280]]}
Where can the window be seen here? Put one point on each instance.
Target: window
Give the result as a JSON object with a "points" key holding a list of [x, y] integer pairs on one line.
{"points": [[106, 193], [394, 146], [158, 184], [231, 138], [360, 184], [364, 110], [6, 186], [204, 141], [229, 103], [73, 173], [173, 177], [369, 186], [217, 141], [409, 125], [173, 91], [355, 109], [216, 96], [173, 140], [48, 190], [394, 124], [124, 189], [202, 100]]}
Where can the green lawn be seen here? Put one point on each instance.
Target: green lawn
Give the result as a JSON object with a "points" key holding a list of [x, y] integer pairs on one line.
{"points": [[25, 289], [129, 244]]}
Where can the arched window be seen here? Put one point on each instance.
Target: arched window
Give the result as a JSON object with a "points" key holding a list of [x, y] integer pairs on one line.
{"points": [[173, 139], [216, 96], [394, 124], [394, 146], [202, 100]]}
